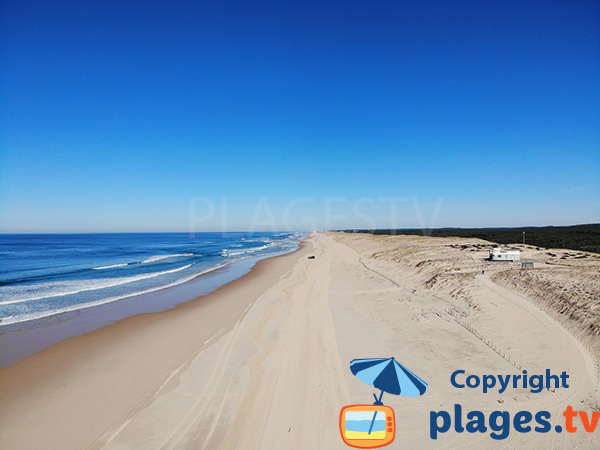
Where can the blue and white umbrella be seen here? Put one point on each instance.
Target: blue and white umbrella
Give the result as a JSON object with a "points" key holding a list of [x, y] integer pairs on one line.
{"points": [[389, 376]]}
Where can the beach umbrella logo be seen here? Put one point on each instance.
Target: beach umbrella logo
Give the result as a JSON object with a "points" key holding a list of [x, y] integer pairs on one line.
{"points": [[371, 426]]}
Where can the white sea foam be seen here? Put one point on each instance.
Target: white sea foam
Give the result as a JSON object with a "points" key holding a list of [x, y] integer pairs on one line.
{"points": [[161, 257], [61, 288], [110, 267], [8, 320], [226, 253]]}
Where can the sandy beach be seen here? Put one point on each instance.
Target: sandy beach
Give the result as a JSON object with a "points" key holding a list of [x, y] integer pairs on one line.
{"points": [[263, 362]]}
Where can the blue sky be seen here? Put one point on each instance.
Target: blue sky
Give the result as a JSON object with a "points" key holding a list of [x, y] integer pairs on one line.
{"points": [[161, 116]]}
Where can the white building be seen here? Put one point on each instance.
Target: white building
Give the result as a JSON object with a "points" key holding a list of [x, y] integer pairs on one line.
{"points": [[502, 254]]}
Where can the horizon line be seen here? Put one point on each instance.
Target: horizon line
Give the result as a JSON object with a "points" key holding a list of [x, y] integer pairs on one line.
{"points": [[296, 231]]}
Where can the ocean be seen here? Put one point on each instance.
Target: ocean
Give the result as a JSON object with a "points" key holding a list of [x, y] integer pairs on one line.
{"points": [[44, 275]]}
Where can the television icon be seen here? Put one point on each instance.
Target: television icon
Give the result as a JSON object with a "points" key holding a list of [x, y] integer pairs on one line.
{"points": [[367, 426]]}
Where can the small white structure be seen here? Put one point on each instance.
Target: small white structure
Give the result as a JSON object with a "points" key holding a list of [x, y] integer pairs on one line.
{"points": [[503, 254]]}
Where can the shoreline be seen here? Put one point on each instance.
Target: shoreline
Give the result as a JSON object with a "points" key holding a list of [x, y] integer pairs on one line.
{"points": [[264, 361], [65, 378], [22, 339]]}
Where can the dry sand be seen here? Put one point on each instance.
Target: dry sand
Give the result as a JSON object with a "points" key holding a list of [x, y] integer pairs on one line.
{"points": [[264, 361]]}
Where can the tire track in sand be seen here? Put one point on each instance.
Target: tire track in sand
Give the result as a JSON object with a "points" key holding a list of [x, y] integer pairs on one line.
{"points": [[296, 382]]}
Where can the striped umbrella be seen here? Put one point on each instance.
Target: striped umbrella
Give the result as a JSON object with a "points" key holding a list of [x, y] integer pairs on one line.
{"points": [[389, 376]]}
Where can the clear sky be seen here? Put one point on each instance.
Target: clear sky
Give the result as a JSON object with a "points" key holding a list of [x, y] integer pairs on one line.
{"points": [[161, 116]]}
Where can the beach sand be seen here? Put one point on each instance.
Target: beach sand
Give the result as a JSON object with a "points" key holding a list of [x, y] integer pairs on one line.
{"points": [[264, 361]]}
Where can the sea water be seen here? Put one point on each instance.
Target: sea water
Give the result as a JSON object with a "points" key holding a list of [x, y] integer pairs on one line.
{"points": [[42, 275]]}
